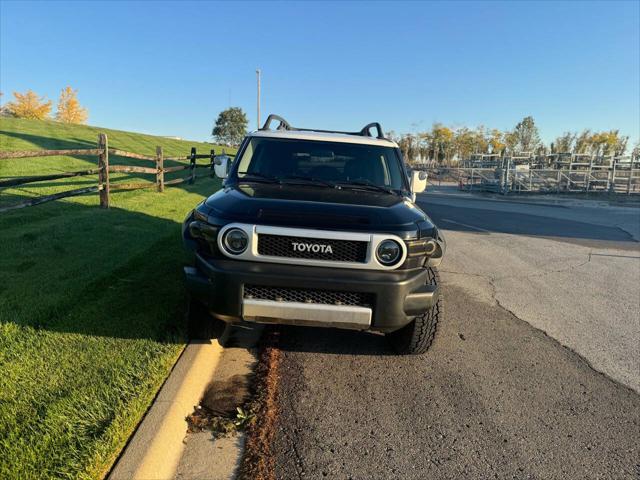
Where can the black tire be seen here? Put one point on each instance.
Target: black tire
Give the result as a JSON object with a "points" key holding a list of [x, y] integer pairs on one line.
{"points": [[417, 336], [200, 324]]}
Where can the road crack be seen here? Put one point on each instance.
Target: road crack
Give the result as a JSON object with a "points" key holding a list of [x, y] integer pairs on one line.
{"points": [[492, 279], [494, 296]]}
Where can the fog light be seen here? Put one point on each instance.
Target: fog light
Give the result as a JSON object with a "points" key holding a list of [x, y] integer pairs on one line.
{"points": [[235, 241], [388, 252]]}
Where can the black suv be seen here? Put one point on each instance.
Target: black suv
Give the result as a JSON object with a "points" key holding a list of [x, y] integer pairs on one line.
{"points": [[318, 228]]}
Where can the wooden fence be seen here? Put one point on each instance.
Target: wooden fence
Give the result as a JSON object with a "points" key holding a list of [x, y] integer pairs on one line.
{"points": [[104, 185]]}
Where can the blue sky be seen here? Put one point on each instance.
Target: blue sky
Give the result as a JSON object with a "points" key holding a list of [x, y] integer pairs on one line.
{"points": [[168, 68]]}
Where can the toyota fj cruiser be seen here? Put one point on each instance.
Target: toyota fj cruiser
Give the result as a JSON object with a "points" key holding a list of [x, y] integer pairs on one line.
{"points": [[318, 228]]}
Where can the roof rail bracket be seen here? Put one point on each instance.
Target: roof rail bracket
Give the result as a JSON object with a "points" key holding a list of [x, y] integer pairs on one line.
{"points": [[366, 130], [284, 125]]}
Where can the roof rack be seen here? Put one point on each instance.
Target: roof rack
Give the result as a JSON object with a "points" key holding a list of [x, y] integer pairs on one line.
{"points": [[284, 125]]}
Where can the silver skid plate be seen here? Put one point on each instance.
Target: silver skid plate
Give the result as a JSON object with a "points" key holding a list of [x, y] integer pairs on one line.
{"points": [[314, 314]]}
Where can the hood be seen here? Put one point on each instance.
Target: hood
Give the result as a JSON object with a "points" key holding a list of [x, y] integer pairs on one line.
{"points": [[315, 207]]}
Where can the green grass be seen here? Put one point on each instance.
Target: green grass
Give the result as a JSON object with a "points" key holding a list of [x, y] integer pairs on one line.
{"points": [[22, 134], [91, 306]]}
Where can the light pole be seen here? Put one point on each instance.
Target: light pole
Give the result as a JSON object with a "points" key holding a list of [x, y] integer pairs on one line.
{"points": [[258, 78]]}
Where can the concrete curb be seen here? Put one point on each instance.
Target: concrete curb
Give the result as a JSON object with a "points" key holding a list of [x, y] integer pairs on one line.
{"points": [[154, 451]]}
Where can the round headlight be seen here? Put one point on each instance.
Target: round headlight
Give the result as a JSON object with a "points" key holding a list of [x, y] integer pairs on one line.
{"points": [[388, 252], [235, 241]]}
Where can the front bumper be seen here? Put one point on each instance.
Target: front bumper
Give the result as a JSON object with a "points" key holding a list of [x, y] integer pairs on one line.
{"points": [[398, 295]]}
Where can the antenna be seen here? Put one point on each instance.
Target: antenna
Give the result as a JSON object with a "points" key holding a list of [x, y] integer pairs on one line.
{"points": [[258, 72]]}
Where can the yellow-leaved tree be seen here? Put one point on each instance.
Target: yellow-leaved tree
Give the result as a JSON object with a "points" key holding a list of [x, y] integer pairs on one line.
{"points": [[441, 142], [29, 105], [69, 109], [497, 141]]}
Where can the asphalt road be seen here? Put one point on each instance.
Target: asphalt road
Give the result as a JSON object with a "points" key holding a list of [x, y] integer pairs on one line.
{"points": [[534, 372], [571, 270]]}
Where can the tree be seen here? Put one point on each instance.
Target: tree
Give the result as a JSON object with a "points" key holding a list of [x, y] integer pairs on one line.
{"points": [[409, 147], [440, 142], [621, 145], [69, 109], [598, 143], [480, 143], [29, 105], [496, 141], [467, 142], [511, 142], [3, 108], [423, 140], [231, 126], [583, 142], [611, 143], [564, 143], [541, 149], [527, 135], [464, 143]]}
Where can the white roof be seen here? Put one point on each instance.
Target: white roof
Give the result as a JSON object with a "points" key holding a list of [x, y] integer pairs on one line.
{"points": [[323, 137]]}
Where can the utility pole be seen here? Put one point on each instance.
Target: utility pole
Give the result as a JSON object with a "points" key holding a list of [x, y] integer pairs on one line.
{"points": [[258, 77]]}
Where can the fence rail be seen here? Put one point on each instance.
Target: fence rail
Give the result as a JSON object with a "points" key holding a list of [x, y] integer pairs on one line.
{"points": [[105, 186], [40, 178]]}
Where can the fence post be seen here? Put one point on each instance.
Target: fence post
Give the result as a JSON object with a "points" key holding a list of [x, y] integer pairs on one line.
{"points": [[507, 186], [559, 180], [103, 174], [159, 169], [212, 166], [193, 165], [612, 175]]}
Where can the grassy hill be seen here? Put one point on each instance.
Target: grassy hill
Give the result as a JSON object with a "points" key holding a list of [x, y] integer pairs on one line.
{"points": [[91, 304], [22, 134]]}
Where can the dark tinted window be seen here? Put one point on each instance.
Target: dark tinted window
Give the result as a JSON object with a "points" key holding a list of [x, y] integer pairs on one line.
{"points": [[330, 161]]}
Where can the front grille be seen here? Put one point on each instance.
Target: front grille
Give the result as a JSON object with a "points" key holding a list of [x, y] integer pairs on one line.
{"points": [[325, 297], [341, 250]]}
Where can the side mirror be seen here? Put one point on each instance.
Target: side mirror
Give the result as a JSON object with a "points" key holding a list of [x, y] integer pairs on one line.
{"points": [[221, 165], [418, 181]]}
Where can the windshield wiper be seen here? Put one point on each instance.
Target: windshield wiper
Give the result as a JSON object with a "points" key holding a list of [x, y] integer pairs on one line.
{"points": [[367, 185], [313, 180], [257, 177]]}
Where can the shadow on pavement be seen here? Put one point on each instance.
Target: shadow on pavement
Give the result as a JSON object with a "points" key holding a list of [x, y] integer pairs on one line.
{"points": [[332, 341], [480, 220]]}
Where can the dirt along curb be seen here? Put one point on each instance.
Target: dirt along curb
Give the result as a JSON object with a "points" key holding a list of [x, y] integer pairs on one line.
{"points": [[214, 444], [155, 449], [257, 461]]}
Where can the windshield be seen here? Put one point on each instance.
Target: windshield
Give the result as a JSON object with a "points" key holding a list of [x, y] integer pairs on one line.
{"points": [[322, 162]]}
